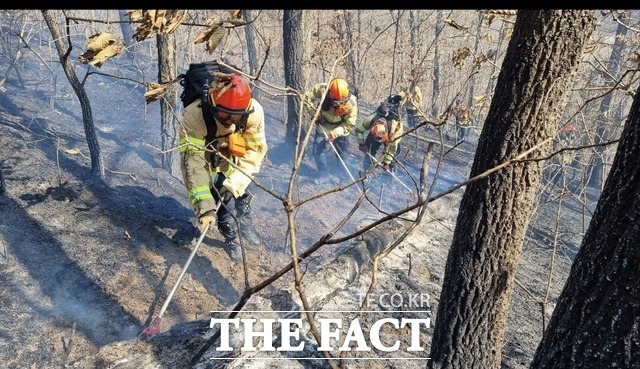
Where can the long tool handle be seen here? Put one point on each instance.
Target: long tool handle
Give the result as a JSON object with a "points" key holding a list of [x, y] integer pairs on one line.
{"points": [[340, 159], [184, 269], [393, 175]]}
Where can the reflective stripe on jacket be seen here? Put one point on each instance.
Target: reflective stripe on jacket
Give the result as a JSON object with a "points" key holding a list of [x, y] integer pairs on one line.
{"points": [[329, 122], [198, 170], [396, 131]]}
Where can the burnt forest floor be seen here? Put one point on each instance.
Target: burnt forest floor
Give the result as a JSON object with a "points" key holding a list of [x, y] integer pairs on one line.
{"points": [[85, 264]]}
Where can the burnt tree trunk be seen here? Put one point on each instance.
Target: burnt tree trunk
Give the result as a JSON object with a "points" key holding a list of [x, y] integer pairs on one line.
{"points": [[597, 319], [542, 58], [436, 64], [605, 113], [292, 21], [97, 165], [252, 53]]}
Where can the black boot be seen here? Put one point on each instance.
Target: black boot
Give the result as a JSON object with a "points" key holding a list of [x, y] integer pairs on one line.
{"points": [[228, 230], [233, 247], [243, 212], [246, 230]]}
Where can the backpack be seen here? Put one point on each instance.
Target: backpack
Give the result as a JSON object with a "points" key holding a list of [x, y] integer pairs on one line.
{"points": [[388, 110], [195, 82]]}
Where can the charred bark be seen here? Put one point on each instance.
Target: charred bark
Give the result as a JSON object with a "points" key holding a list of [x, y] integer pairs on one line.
{"points": [[542, 57], [597, 318]]}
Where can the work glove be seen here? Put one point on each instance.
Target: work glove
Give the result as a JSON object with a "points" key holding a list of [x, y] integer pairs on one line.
{"points": [[208, 218], [236, 183], [362, 147], [385, 166], [225, 194]]}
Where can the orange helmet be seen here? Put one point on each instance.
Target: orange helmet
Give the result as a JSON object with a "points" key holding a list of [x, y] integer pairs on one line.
{"points": [[234, 97], [339, 90], [379, 131], [570, 128]]}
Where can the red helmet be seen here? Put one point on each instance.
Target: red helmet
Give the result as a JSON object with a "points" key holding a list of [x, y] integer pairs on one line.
{"points": [[235, 96], [379, 131], [339, 90]]}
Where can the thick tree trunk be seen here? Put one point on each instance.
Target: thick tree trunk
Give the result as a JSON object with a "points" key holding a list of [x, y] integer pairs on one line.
{"points": [[537, 73], [603, 133], [596, 322]]}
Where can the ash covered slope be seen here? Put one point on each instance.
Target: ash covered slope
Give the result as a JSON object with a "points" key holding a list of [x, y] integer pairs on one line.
{"points": [[85, 267]]}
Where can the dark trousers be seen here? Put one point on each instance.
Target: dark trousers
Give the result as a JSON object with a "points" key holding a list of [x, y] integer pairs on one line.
{"points": [[226, 224], [320, 150], [412, 117], [372, 150]]}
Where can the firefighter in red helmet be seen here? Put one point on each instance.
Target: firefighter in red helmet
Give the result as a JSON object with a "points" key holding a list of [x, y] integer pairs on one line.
{"points": [[382, 128], [239, 137]]}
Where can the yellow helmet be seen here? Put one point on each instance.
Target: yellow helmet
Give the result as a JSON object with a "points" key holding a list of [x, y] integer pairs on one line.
{"points": [[339, 90]]}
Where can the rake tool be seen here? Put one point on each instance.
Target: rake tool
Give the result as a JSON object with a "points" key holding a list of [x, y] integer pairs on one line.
{"points": [[393, 175], [154, 327], [340, 159]]}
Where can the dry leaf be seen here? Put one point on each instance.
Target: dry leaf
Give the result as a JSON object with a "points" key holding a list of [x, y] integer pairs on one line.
{"points": [[212, 36], [158, 22], [461, 112], [100, 48], [134, 15], [104, 55], [99, 41], [455, 25], [72, 151], [236, 22], [215, 39], [235, 14], [155, 91], [459, 56]]}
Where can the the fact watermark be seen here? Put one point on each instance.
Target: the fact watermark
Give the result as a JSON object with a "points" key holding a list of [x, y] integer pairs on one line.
{"points": [[336, 334], [395, 300]]}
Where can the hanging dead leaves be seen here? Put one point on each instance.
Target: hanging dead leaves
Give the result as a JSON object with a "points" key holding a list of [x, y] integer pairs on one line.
{"points": [[162, 22], [153, 22], [155, 91], [100, 48]]}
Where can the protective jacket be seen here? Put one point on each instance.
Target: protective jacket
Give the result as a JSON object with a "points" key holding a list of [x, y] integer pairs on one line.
{"points": [[394, 127], [413, 99], [332, 120], [200, 168]]}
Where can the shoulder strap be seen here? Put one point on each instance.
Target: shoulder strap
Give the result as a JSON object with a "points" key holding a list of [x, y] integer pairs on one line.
{"points": [[207, 114]]}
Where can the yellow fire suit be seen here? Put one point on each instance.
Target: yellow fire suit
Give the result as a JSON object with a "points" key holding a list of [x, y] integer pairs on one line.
{"points": [[197, 165], [396, 129]]}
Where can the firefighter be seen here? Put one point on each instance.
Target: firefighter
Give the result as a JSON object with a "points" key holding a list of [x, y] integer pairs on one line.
{"points": [[383, 128], [336, 119], [412, 100], [240, 138]]}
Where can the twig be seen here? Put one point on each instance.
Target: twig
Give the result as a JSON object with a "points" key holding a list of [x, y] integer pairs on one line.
{"points": [[67, 346], [5, 254]]}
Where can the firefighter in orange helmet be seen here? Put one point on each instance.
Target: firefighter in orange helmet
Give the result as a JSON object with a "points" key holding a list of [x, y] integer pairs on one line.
{"points": [[336, 119], [208, 178]]}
